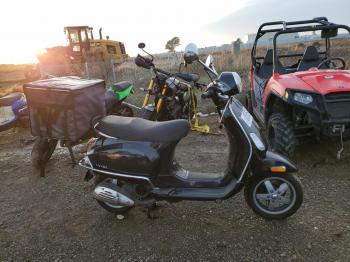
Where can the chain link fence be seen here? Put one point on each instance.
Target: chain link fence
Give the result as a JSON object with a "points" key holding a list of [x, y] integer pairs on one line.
{"points": [[113, 73], [223, 61]]}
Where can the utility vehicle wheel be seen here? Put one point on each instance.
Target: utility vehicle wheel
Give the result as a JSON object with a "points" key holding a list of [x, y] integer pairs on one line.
{"points": [[42, 151], [248, 102], [274, 196], [119, 210], [280, 134]]}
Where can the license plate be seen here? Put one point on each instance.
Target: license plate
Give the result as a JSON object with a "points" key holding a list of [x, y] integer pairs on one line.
{"points": [[6, 114]]}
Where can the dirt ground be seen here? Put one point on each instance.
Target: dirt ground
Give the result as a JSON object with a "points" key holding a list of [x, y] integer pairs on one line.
{"points": [[56, 219]]}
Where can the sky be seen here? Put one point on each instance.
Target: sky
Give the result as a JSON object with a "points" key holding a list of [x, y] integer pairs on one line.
{"points": [[30, 26]]}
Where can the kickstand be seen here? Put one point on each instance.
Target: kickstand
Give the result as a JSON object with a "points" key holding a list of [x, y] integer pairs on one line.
{"points": [[340, 151], [71, 154]]}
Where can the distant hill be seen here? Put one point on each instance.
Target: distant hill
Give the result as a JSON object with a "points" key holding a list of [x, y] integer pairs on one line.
{"points": [[248, 19]]}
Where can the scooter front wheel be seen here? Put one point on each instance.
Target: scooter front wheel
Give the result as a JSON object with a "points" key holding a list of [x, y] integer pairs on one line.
{"points": [[274, 196]]}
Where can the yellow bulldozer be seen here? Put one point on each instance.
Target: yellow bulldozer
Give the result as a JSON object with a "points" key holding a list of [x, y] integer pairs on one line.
{"points": [[82, 47]]}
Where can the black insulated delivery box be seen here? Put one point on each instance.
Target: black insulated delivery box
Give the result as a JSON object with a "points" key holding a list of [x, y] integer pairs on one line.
{"points": [[64, 107]]}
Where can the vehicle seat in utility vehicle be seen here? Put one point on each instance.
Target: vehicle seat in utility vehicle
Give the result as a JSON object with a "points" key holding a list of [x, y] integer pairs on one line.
{"points": [[266, 68], [310, 59]]}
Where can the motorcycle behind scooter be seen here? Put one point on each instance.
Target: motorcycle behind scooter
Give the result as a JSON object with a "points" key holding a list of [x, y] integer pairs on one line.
{"points": [[13, 109], [133, 161]]}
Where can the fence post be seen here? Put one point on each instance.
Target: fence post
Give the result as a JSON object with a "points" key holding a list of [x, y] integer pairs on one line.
{"points": [[87, 70]]}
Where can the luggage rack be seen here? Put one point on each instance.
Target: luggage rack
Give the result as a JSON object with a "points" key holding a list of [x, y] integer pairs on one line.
{"points": [[319, 21], [61, 109]]}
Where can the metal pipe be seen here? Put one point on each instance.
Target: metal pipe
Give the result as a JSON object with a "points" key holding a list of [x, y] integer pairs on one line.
{"points": [[100, 32]]}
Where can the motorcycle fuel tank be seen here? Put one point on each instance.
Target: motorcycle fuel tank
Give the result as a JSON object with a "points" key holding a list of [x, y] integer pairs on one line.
{"points": [[126, 157]]}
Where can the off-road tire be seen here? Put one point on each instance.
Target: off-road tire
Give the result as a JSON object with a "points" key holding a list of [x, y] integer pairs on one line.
{"points": [[248, 103], [280, 135], [291, 178], [42, 151], [115, 210]]}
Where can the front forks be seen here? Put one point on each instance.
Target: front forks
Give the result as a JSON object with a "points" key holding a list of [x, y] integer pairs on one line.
{"points": [[149, 89], [148, 95]]}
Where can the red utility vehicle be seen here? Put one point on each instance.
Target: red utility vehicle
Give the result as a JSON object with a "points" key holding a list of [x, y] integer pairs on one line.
{"points": [[300, 86]]}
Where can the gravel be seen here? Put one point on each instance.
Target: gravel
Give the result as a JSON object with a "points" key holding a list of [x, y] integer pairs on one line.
{"points": [[56, 219]]}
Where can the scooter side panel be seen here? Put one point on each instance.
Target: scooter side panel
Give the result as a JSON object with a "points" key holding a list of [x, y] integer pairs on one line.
{"points": [[126, 157]]}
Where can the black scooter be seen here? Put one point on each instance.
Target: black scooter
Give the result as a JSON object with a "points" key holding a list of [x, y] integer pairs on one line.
{"points": [[133, 161]]}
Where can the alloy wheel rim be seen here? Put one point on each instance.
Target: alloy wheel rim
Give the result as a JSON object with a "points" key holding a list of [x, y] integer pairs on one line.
{"points": [[274, 195]]}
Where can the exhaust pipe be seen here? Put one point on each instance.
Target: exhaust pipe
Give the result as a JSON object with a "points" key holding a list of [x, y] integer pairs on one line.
{"points": [[100, 32], [111, 196]]}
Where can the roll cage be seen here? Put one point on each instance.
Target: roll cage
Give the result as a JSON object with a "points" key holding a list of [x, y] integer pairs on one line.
{"points": [[315, 24]]}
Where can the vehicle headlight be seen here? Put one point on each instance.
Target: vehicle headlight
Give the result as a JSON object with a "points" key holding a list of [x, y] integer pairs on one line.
{"points": [[303, 98]]}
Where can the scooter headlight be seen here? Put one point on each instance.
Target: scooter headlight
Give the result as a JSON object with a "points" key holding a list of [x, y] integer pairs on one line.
{"points": [[257, 141], [303, 98]]}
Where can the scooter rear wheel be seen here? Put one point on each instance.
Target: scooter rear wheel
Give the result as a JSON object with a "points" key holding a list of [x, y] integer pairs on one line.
{"points": [[274, 196]]}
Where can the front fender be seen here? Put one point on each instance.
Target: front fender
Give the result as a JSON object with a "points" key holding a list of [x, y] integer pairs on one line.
{"points": [[273, 159], [262, 164]]}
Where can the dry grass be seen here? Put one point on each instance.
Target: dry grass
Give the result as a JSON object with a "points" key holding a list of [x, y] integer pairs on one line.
{"points": [[12, 75], [8, 68], [11, 89]]}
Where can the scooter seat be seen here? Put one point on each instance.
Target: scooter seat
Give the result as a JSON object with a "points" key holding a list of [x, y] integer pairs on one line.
{"points": [[9, 99], [137, 129], [121, 86]]}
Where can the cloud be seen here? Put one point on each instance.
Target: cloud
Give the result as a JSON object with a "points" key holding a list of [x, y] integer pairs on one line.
{"points": [[248, 19]]}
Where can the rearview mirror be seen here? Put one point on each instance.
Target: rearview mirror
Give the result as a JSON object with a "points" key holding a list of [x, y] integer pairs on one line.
{"points": [[209, 61], [327, 33], [191, 53], [141, 45]]}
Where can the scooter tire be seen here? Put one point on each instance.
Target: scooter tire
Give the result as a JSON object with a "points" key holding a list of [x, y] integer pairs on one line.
{"points": [[296, 188]]}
